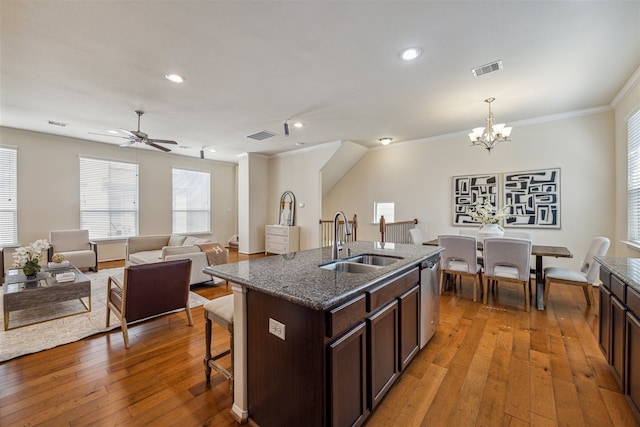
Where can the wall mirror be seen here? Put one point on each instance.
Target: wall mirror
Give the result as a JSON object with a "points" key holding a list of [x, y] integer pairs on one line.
{"points": [[287, 208]]}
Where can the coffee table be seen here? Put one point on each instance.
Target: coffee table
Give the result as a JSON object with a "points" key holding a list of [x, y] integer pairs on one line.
{"points": [[21, 294]]}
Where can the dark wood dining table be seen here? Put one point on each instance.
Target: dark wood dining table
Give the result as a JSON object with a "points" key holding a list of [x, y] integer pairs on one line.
{"points": [[539, 251]]}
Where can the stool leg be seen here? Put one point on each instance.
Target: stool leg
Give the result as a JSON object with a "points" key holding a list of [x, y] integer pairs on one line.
{"points": [[207, 357]]}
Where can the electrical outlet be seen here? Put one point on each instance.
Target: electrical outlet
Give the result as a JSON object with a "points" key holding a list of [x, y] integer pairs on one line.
{"points": [[276, 328]]}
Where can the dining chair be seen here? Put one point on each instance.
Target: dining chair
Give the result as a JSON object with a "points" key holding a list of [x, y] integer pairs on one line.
{"points": [[460, 258], [507, 260], [588, 273], [416, 236]]}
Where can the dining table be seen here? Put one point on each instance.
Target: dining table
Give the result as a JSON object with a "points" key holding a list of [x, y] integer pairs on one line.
{"points": [[539, 251]]}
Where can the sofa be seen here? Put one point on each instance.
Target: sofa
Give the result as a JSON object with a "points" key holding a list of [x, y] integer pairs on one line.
{"points": [[168, 247]]}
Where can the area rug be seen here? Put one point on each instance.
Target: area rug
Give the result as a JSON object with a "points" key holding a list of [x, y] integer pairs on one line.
{"points": [[52, 333]]}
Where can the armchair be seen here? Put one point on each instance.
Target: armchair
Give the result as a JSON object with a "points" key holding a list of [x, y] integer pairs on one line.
{"points": [[75, 246], [149, 290]]}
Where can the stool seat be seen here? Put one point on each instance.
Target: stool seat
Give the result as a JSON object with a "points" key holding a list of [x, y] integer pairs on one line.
{"points": [[220, 311]]}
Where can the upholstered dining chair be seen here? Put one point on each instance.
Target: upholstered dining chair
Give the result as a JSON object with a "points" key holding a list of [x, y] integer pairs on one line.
{"points": [[507, 260], [149, 290], [416, 236], [75, 246], [460, 258], [588, 273]]}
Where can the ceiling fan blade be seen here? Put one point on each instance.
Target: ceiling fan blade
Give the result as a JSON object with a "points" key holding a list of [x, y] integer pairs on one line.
{"points": [[128, 144], [162, 141], [106, 134], [159, 147]]}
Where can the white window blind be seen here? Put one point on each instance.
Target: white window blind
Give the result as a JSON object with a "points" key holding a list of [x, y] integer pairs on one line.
{"points": [[108, 198], [633, 177], [386, 209], [191, 207], [8, 196]]}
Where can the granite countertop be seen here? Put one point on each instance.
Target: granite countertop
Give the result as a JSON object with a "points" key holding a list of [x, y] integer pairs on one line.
{"points": [[298, 278], [627, 269]]}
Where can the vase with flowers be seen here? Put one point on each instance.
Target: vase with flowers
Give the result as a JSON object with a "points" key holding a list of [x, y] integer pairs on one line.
{"points": [[28, 258], [490, 218]]}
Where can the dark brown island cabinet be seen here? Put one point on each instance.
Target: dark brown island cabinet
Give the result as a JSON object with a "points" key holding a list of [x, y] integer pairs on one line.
{"points": [[619, 323], [336, 365]]}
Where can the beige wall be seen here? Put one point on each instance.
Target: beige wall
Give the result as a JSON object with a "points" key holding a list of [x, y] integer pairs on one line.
{"points": [[49, 193], [627, 103], [253, 193], [417, 176]]}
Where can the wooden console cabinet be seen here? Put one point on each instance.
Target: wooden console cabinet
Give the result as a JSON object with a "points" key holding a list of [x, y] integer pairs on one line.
{"points": [[281, 239]]}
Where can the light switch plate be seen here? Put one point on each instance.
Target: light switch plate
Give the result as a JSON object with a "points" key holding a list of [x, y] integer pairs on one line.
{"points": [[276, 328]]}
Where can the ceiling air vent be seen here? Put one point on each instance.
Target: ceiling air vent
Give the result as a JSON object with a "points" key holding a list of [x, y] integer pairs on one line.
{"points": [[261, 135], [487, 68]]}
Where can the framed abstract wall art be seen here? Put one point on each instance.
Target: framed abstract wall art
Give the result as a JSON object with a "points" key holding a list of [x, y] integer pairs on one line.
{"points": [[470, 190], [534, 197]]}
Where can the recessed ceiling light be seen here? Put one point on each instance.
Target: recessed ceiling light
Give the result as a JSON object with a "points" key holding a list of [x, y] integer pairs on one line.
{"points": [[385, 141], [212, 150], [298, 125], [411, 53], [176, 78]]}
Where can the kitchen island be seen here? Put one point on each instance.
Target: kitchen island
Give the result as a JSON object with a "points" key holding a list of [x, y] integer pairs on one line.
{"points": [[320, 347]]}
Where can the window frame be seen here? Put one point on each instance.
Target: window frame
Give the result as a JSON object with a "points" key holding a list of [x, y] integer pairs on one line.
{"points": [[8, 196], [376, 212], [633, 177]]}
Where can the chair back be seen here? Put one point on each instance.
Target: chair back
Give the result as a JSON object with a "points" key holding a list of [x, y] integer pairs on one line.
{"points": [[69, 240], [589, 267], [459, 248], [416, 236], [507, 252], [159, 287]]}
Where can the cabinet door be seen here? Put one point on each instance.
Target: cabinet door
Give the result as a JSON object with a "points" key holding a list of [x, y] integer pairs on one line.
{"points": [[348, 378], [632, 370], [618, 323], [604, 326], [383, 351], [409, 311]]}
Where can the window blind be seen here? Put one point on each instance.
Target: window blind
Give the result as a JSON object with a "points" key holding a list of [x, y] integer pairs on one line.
{"points": [[191, 204], [633, 177], [108, 198], [8, 196], [386, 209]]}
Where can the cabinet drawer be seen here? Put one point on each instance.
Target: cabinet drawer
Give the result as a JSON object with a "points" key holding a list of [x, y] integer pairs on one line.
{"points": [[605, 278], [277, 248], [278, 231], [617, 288], [271, 238], [633, 301], [342, 317], [387, 291]]}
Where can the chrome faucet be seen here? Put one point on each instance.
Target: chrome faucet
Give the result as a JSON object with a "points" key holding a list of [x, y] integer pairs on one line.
{"points": [[347, 230]]}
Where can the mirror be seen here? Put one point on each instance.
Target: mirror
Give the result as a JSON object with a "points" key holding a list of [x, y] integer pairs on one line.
{"points": [[287, 208]]}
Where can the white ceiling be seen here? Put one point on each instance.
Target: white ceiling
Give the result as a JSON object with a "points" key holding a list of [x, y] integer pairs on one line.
{"points": [[333, 65]]}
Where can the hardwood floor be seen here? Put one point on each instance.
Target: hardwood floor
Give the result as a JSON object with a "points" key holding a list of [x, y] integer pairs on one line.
{"points": [[486, 365]]}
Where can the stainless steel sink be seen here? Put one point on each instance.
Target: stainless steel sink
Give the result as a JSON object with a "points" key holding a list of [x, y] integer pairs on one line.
{"points": [[370, 259], [350, 267]]}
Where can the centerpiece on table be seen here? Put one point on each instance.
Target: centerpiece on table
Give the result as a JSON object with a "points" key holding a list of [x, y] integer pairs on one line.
{"points": [[490, 218], [28, 258]]}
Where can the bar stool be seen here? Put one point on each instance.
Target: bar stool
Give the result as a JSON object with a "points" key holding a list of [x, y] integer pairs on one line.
{"points": [[219, 310]]}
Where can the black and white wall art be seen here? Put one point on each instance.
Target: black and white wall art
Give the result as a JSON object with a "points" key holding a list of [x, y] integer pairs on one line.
{"points": [[470, 190], [534, 197]]}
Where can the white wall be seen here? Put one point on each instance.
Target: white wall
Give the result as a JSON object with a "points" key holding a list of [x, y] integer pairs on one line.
{"points": [[299, 172], [253, 193], [417, 176], [49, 192]]}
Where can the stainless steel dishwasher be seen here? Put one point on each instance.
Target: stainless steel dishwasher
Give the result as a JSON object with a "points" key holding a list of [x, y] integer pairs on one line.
{"points": [[429, 299]]}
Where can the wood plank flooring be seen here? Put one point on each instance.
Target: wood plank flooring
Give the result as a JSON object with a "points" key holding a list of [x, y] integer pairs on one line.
{"points": [[492, 365]]}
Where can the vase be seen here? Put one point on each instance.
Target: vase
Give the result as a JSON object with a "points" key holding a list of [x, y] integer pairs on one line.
{"points": [[490, 230], [30, 273]]}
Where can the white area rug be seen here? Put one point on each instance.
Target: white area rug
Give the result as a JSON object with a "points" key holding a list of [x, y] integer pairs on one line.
{"points": [[52, 333]]}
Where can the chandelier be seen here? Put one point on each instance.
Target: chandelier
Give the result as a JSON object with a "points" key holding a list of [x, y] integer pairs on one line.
{"points": [[495, 132]]}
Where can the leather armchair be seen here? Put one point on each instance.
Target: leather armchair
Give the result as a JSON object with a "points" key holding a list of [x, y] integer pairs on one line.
{"points": [[75, 246], [149, 290]]}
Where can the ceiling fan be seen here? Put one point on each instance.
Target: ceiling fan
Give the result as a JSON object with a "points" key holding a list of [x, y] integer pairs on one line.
{"points": [[135, 136]]}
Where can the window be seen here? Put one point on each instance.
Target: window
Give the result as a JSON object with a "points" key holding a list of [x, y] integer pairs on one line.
{"points": [[385, 209], [108, 198], [633, 177], [8, 196], [191, 208]]}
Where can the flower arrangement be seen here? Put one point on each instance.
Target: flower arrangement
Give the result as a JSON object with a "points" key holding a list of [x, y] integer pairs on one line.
{"points": [[487, 214], [28, 257]]}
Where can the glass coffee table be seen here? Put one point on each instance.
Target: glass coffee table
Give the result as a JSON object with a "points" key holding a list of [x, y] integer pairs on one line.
{"points": [[44, 290]]}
